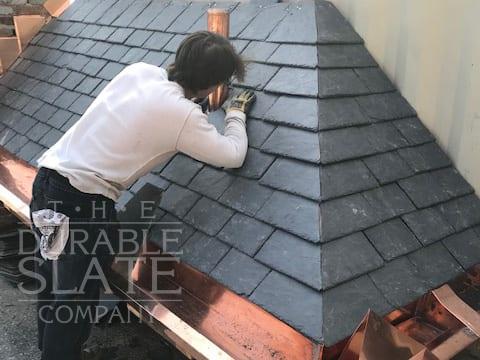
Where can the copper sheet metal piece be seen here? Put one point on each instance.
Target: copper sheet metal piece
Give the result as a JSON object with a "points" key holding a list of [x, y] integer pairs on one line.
{"points": [[218, 22], [9, 51], [26, 27], [57, 7], [376, 339], [241, 328], [458, 308]]}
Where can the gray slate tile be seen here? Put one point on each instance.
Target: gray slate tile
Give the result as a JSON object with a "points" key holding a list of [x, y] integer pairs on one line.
{"points": [[430, 259], [294, 81], [428, 225], [246, 196], [174, 43], [400, 282], [387, 106], [114, 12], [345, 178], [66, 99], [29, 151], [339, 82], [465, 247], [148, 14], [350, 143], [344, 56], [94, 66], [262, 104], [338, 113], [188, 17], [37, 131], [245, 233], [208, 216], [16, 143], [425, 157], [292, 213], [241, 17], [346, 215], [375, 80], [134, 55], [295, 177], [127, 16], [333, 27], [295, 55], [167, 16], [157, 41], [414, 131], [258, 51], [389, 201], [434, 187], [73, 80], [203, 252], [239, 272], [258, 75], [277, 292], [388, 167], [181, 169], [81, 104], [211, 182], [297, 112], [178, 200], [463, 212], [293, 143], [110, 71], [342, 315], [170, 233], [151, 179], [115, 52], [155, 58], [347, 258], [59, 118], [293, 256], [138, 38], [255, 165], [262, 25], [120, 35], [392, 239], [298, 26], [88, 85], [51, 137]]}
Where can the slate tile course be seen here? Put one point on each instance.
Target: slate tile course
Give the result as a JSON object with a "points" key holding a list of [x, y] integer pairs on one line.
{"points": [[387, 106], [389, 201], [388, 167], [344, 56], [425, 157], [294, 81], [429, 259], [181, 169], [392, 239], [338, 113], [293, 143], [295, 177], [345, 178], [277, 293], [400, 282], [465, 247], [359, 257], [245, 233], [239, 272], [302, 113], [428, 225], [304, 265], [208, 216], [294, 55], [178, 200], [245, 195], [203, 252], [462, 213], [211, 182], [346, 215]]}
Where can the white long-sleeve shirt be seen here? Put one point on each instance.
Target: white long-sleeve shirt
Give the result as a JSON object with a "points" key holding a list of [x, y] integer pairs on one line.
{"points": [[140, 120]]}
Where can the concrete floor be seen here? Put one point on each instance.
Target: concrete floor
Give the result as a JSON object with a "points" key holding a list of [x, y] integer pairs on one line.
{"points": [[18, 334], [133, 341]]}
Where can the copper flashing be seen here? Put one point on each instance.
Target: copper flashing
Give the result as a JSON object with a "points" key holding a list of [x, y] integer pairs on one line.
{"points": [[57, 7], [9, 51], [218, 22], [26, 27]]}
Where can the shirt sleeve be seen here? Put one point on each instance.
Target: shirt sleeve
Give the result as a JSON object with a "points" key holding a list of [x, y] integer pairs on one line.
{"points": [[201, 140]]}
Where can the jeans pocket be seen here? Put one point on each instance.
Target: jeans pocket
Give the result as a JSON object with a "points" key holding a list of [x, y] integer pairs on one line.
{"points": [[53, 229]]}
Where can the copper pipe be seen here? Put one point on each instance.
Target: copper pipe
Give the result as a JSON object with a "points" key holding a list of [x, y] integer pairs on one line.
{"points": [[218, 22]]}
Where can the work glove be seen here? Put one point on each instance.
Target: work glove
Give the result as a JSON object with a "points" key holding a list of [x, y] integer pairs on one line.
{"points": [[243, 101]]}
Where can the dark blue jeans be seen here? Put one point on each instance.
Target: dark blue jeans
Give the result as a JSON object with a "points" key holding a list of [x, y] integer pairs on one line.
{"points": [[69, 287]]}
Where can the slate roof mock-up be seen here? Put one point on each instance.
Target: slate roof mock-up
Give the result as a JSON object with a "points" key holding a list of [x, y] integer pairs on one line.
{"points": [[344, 203]]}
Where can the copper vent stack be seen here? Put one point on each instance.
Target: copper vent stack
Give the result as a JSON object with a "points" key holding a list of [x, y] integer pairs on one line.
{"points": [[218, 22]]}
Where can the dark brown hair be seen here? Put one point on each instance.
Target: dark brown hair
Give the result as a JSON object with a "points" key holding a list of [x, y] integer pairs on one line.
{"points": [[205, 59]]}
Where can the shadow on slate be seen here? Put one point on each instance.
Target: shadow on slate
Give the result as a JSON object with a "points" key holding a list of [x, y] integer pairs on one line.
{"points": [[343, 191]]}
